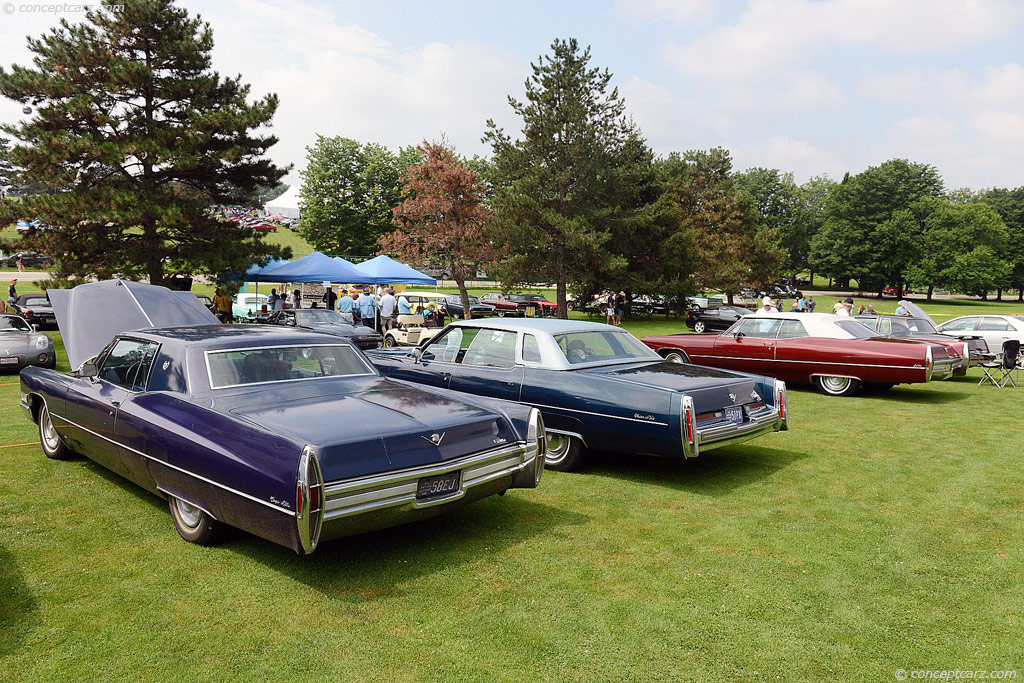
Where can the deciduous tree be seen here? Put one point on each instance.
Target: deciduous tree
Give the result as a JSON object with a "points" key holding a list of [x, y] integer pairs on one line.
{"points": [[441, 220], [348, 192], [136, 135], [1010, 205]]}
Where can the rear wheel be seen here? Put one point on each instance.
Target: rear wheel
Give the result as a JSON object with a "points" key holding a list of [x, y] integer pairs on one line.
{"points": [[836, 386], [676, 357], [194, 525], [699, 327], [390, 342], [501, 313], [53, 446], [564, 453]]}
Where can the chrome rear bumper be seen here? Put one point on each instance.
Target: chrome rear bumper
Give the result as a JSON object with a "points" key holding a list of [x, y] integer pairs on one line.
{"points": [[382, 500], [758, 424]]}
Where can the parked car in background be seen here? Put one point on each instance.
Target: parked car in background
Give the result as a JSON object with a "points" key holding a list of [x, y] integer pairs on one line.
{"points": [[708, 301], [714, 319], [248, 306], [206, 301], [36, 309], [891, 291], [596, 386], [289, 435], [972, 350], [22, 346], [835, 353], [523, 305], [994, 329], [326, 322], [452, 304]]}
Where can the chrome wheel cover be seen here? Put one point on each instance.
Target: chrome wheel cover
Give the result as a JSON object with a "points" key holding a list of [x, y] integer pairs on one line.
{"points": [[557, 447], [51, 440], [674, 357], [189, 514], [835, 385], [699, 326]]}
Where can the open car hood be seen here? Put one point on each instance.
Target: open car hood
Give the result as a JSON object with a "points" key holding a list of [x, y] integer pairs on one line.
{"points": [[916, 311], [89, 315]]}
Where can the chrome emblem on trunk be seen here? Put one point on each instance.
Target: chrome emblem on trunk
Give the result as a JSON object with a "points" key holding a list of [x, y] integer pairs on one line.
{"points": [[732, 397], [435, 438]]}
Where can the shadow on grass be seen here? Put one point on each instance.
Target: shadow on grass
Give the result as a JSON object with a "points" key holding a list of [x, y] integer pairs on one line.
{"points": [[715, 473], [17, 604], [375, 565], [912, 393]]}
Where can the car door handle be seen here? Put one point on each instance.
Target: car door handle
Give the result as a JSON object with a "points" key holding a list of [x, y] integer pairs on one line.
{"points": [[116, 404], [511, 384], [446, 375]]}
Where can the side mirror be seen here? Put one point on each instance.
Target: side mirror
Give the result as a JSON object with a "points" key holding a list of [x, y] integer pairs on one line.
{"points": [[35, 328], [88, 370]]}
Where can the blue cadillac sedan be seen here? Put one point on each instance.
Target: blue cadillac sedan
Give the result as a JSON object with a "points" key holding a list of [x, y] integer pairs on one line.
{"points": [[290, 435], [596, 386]]}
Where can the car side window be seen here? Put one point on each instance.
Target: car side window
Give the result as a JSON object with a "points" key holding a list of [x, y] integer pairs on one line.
{"points": [[286, 318], [993, 325], [451, 346], [884, 326], [127, 364], [531, 349], [761, 328], [492, 348], [792, 329], [960, 325]]}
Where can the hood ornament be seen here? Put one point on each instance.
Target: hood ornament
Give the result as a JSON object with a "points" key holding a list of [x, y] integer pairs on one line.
{"points": [[732, 397], [435, 438]]}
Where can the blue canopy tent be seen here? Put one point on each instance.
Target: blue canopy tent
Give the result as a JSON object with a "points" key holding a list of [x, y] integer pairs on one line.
{"points": [[254, 273], [315, 267], [385, 269]]}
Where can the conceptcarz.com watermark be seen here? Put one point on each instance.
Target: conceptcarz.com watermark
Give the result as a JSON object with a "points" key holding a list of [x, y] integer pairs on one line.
{"points": [[52, 8], [953, 674]]}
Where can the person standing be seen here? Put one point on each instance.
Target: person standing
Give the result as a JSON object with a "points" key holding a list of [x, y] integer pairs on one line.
{"points": [[811, 303], [767, 307], [222, 306], [367, 307], [388, 304], [21, 266], [330, 298], [609, 308], [12, 292], [279, 304], [297, 299], [346, 305], [272, 299], [403, 306], [620, 306]]}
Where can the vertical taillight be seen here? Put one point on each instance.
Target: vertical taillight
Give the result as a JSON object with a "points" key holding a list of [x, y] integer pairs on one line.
{"points": [[782, 404], [688, 416], [309, 487]]}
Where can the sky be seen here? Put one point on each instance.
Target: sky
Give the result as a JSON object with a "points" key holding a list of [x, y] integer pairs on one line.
{"points": [[812, 87]]}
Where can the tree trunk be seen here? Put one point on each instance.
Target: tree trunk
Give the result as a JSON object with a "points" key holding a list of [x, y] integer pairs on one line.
{"points": [[810, 281], [154, 261], [1020, 293], [931, 288], [560, 294], [467, 314], [728, 298], [999, 294]]}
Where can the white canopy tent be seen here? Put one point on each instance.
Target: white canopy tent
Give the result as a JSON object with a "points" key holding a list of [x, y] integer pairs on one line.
{"points": [[286, 205]]}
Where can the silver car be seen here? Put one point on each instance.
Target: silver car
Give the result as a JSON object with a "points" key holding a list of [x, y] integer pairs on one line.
{"points": [[21, 345]]}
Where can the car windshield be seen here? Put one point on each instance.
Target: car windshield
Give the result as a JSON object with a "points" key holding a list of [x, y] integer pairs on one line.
{"points": [[312, 316], [596, 346], [909, 327], [533, 297], [283, 363], [10, 323], [456, 299], [37, 301], [855, 329]]}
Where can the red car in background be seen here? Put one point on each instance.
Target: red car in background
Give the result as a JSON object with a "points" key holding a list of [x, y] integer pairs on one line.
{"points": [[835, 353], [519, 304]]}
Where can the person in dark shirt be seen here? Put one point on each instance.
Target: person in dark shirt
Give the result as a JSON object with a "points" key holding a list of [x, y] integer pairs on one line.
{"points": [[330, 297]]}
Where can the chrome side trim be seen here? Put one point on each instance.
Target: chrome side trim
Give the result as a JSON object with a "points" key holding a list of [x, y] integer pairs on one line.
{"points": [[183, 471], [813, 362], [587, 412], [567, 433], [390, 489]]}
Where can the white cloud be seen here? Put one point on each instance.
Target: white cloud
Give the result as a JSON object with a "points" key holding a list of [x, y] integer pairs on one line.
{"points": [[772, 34], [997, 86], [926, 128], [676, 11], [800, 157]]}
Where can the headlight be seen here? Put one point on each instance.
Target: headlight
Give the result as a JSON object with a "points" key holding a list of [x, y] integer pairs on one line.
{"points": [[42, 342]]}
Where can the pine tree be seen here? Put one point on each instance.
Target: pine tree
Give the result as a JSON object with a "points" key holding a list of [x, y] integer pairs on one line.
{"points": [[552, 185], [137, 136]]}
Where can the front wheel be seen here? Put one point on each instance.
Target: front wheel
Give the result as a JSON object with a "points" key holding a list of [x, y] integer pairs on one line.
{"points": [[53, 445], [836, 386], [389, 342], [564, 452], [700, 327], [501, 314], [194, 525]]}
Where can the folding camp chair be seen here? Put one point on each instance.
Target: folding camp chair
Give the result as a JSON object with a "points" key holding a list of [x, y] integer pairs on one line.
{"points": [[1000, 371]]}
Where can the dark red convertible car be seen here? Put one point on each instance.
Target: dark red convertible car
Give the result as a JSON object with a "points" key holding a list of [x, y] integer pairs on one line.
{"points": [[835, 353]]}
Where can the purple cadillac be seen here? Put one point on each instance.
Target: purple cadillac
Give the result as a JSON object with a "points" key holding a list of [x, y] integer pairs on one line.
{"points": [[292, 436]]}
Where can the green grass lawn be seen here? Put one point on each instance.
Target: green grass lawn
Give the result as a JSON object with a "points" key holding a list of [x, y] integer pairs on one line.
{"points": [[881, 532]]}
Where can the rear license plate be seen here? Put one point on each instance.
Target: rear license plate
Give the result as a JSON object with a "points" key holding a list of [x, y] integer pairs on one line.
{"points": [[439, 486], [9, 360], [734, 415]]}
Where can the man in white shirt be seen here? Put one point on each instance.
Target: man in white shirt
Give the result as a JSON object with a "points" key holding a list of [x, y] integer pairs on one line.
{"points": [[767, 307], [388, 303]]}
